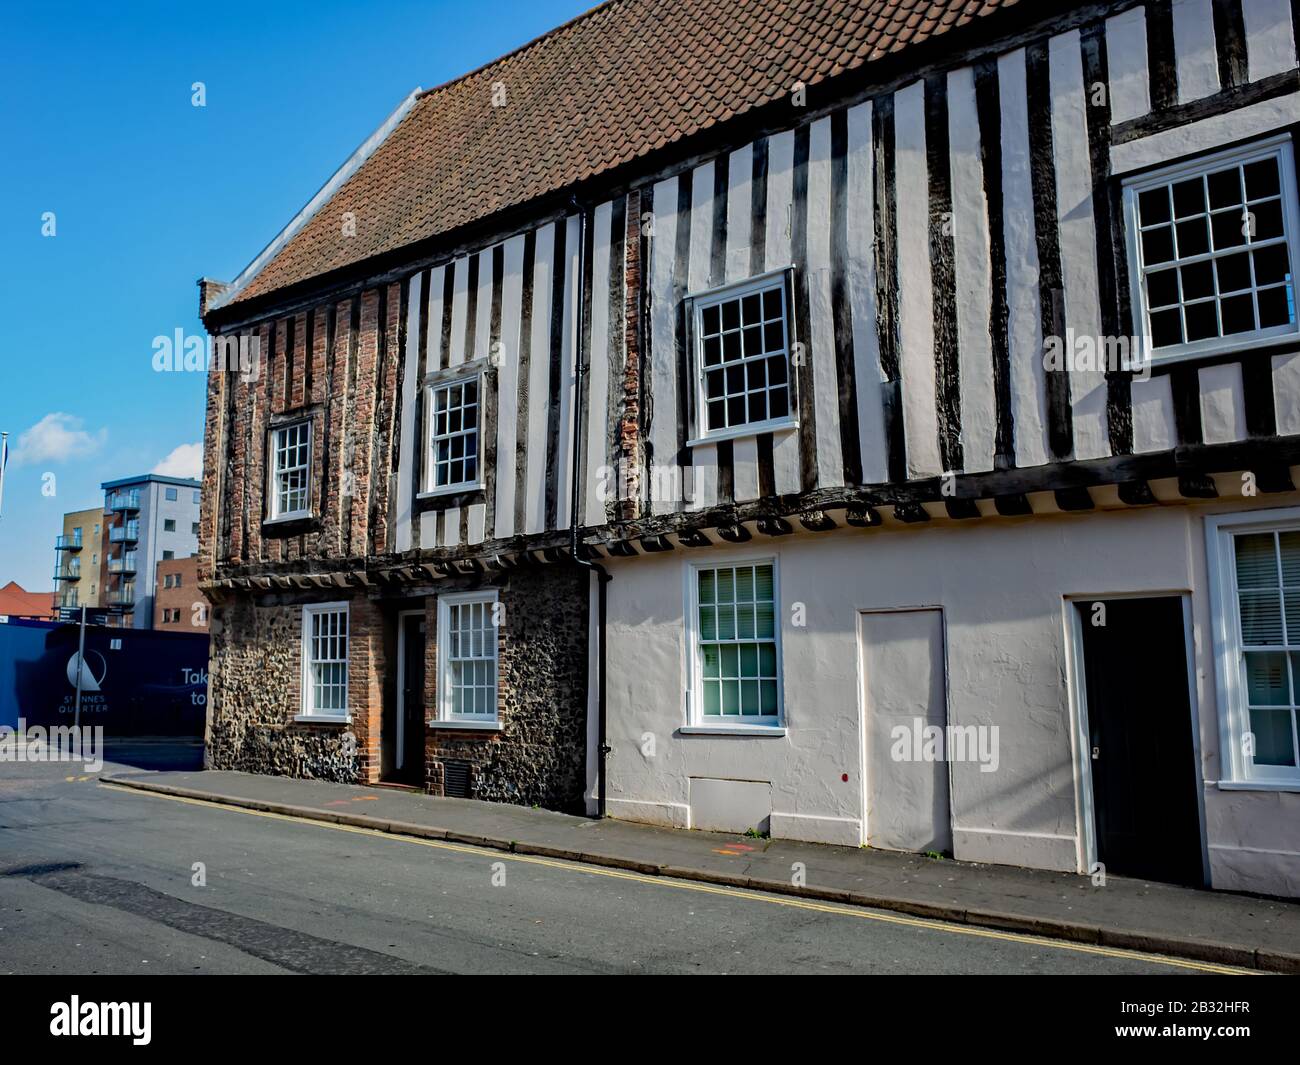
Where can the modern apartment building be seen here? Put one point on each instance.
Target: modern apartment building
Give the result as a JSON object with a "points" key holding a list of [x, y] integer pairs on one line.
{"points": [[864, 423], [149, 519], [78, 554]]}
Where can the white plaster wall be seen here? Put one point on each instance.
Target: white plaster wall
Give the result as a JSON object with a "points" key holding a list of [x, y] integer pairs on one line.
{"points": [[1001, 584]]}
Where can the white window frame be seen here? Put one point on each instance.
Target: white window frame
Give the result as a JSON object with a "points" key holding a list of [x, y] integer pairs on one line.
{"points": [[1236, 770], [431, 388], [307, 709], [1279, 146], [446, 718], [700, 301], [697, 722], [276, 514]]}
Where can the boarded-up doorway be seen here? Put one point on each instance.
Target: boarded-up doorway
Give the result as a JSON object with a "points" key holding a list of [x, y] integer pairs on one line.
{"points": [[903, 687]]}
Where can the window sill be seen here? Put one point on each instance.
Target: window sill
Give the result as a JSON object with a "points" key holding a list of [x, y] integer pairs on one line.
{"points": [[284, 519], [732, 730], [1259, 785], [740, 431], [322, 719], [1159, 359], [451, 490], [473, 726]]}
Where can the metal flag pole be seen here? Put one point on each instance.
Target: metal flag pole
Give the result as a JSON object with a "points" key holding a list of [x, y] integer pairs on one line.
{"points": [[81, 665], [4, 461]]}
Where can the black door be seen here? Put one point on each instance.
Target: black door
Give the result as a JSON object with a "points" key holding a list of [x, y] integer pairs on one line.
{"points": [[411, 704], [1142, 758]]}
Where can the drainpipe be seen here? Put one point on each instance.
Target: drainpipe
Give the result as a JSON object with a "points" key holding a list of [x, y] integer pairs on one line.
{"points": [[602, 576]]}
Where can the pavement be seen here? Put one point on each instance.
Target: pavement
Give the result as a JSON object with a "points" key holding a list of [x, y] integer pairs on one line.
{"points": [[1218, 927], [105, 879]]}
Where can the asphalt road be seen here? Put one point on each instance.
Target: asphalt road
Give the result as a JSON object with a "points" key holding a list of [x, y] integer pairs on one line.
{"points": [[99, 880]]}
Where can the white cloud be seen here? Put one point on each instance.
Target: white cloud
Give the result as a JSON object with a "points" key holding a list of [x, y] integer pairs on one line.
{"points": [[56, 438], [184, 461]]}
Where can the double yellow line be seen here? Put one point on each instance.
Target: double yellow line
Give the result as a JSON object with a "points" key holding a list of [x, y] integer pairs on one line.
{"points": [[714, 889]]}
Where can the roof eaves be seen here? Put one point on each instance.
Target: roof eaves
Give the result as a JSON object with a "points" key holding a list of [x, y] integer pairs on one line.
{"points": [[322, 197]]}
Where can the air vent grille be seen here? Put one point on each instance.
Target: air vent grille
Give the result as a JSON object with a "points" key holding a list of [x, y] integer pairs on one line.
{"points": [[456, 780]]}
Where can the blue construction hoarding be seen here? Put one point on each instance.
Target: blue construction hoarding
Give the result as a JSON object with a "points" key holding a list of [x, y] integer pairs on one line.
{"points": [[134, 682]]}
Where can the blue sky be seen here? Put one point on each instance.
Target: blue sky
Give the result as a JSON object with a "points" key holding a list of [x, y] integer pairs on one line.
{"points": [[149, 193]]}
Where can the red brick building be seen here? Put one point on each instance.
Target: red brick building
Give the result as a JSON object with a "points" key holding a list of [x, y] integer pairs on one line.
{"points": [[17, 602], [179, 605]]}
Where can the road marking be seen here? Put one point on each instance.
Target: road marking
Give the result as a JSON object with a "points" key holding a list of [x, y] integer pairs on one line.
{"points": [[713, 889]]}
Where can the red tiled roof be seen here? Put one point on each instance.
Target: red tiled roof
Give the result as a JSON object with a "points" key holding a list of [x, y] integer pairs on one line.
{"points": [[626, 79], [16, 601]]}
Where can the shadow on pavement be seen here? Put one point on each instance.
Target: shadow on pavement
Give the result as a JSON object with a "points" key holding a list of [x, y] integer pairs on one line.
{"points": [[157, 753]]}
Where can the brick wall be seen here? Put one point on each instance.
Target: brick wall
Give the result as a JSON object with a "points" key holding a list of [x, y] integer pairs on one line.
{"points": [[336, 365], [628, 429], [181, 607]]}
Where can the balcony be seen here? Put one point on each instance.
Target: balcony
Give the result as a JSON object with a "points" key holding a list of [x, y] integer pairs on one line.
{"points": [[122, 598], [70, 571], [68, 599], [68, 543], [122, 534], [122, 501], [125, 564]]}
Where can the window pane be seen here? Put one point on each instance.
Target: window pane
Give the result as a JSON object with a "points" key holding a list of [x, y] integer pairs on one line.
{"points": [[708, 623], [745, 621], [1289, 544], [1276, 307], [727, 623], [1256, 561], [1273, 742], [745, 585], [707, 582], [1291, 611], [712, 659], [1153, 206], [731, 697], [730, 661], [1261, 178], [1261, 618], [748, 660], [712, 697], [726, 586], [1267, 683], [1225, 188]]}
